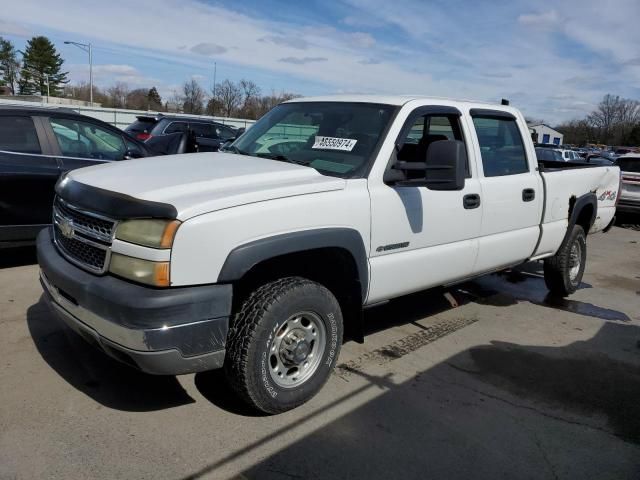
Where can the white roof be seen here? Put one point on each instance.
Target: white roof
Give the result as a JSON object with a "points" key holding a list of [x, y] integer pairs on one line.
{"points": [[387, 99]]}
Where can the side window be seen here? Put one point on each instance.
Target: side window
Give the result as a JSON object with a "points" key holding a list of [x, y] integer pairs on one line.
{"points": [[175, 127], [86, 140], [206, 130], [18, 134], [416, 132], [225, 133], [501, 146], [425, 130]]}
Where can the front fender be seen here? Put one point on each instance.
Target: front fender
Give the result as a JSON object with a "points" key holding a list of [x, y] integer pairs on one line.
{"points": [[244, 257]]}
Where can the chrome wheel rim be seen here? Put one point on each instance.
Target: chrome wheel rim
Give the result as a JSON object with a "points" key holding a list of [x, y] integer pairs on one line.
{"points": [[575, 261], [296, 349]]}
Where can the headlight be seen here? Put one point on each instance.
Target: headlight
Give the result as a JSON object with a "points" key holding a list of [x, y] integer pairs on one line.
{"points": [[139, 270], [149, 232]]}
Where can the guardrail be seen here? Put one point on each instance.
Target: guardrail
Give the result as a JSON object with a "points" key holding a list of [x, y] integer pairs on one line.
{"points": [[121, 118]]}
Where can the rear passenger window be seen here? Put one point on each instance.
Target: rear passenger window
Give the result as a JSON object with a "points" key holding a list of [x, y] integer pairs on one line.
{"points": [[18, 134], [225, 133], [205, 130], [501, 146], [175, 127]]}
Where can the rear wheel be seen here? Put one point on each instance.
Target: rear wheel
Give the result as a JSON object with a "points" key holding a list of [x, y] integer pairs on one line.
{"points": [[283, 344], [563, 272]]}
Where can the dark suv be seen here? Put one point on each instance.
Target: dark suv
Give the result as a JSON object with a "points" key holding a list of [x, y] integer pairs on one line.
{"points": [[209, 135], [37, 145]]}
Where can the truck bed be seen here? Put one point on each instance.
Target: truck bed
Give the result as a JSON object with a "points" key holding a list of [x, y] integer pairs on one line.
{"points": [[564, 183], [551, 166]]}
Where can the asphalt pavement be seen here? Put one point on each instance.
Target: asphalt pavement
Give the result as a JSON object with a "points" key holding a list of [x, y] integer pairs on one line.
{"points": [[489, 379]]}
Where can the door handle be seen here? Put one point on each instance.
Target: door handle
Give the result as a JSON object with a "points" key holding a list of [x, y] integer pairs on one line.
{"points": [[470, 201], [528, 194]]}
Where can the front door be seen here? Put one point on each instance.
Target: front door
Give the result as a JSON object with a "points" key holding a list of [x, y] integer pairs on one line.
{"points": [[83, 143], [422, 238]]}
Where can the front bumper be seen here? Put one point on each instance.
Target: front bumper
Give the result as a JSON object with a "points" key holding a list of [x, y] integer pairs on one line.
{"points": [[161, 331]]}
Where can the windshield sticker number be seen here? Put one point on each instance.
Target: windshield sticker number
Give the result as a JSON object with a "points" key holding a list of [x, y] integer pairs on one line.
{"points": [[332, 143]]}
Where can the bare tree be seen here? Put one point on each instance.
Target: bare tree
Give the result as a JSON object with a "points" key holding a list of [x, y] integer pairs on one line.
{"points": [[250, 95], [578, 132], [229, 96], [138, 99], [193, 100], [117, 95]]}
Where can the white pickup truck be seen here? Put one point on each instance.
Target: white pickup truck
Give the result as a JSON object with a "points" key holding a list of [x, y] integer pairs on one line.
{"points": [[257, 259]]}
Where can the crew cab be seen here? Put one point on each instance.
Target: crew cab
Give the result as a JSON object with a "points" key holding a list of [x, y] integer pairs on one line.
{"points": [[257, 259]]}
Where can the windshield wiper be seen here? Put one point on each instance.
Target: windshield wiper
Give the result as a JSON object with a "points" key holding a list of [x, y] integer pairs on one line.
{"points": [[280, 158]]}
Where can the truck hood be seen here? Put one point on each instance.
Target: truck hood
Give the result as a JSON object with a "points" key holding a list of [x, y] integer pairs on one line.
{"points": [[198, 183]]}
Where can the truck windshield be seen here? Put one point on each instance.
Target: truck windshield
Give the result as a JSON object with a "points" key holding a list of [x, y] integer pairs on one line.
{"points": [[335, 138]]}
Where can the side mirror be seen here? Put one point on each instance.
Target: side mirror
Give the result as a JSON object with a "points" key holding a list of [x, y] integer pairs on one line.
{"points": [[131, 154], [443, 168], [240, 131], [445, 165]]}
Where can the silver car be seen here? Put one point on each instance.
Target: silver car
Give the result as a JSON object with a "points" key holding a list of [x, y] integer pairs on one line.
{"points": [[629, 201]]}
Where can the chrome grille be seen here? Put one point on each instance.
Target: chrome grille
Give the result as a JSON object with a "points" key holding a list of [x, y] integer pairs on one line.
{"points": [[84, 238]]}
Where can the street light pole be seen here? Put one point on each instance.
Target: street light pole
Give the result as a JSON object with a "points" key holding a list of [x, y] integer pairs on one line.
{"points": [[89, 49], [90, 75], [213, 110]]}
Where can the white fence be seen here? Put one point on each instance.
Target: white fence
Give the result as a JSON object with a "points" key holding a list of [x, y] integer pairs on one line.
{"points": [[122, 118]]}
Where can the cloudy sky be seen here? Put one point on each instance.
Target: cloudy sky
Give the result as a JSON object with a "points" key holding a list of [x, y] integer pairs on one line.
{"points": [[553, 59]]}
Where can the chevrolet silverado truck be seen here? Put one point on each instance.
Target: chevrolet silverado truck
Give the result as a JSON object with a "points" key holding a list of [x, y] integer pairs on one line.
{"points": [[257, 259]]}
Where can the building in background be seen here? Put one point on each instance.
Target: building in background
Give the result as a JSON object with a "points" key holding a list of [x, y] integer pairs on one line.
{"points": [[543, 133]]}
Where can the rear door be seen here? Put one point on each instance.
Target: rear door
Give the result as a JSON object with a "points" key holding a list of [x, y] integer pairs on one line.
{"points": [[27, 177], [512, 194], [206, 136]]}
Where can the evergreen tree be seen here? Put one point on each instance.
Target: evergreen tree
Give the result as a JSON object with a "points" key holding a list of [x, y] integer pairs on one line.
{"points": [[41, 63], [9, 65], [155, 101]]}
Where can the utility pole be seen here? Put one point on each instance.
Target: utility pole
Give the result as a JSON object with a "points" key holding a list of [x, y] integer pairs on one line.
{"points": [[89, 49]]}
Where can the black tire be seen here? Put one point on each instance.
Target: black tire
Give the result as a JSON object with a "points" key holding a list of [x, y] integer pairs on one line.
{"points": [[253, 329], [557, 269]]}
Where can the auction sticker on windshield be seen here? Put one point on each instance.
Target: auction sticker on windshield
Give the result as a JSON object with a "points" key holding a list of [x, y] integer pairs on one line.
{"points": [[332, 143]]}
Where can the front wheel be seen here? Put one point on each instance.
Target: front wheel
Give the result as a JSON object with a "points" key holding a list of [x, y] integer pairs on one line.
{"points": [[563, 272], [283, 344]]}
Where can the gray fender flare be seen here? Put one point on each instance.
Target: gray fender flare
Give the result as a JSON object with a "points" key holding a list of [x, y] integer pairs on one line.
{"points": [[244, 257], [576, 209]]}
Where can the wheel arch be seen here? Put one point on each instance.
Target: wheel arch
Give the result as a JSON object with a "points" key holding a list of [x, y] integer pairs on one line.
{"points": [[247, 256], [334, 257], [582, 211]]}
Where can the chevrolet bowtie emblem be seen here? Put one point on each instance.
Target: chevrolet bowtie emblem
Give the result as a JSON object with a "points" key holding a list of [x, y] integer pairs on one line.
{"points": [[66, 228]]}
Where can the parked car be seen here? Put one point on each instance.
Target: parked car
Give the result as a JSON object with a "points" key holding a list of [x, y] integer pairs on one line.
{"points": [[569, 155], [629, 201], [596, 159], [39, 144], [549, 155], [257, 261], [208, 134]]}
